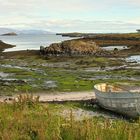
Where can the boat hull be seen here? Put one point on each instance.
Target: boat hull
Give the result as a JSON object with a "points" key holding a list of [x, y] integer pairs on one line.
{"points": [[124, 103]]}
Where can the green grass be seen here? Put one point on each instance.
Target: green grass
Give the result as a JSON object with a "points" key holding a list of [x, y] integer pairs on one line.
{"points": [[28, 120]]}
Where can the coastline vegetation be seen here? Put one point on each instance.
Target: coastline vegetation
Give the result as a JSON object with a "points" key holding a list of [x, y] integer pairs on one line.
{"points": [[30, 120]]}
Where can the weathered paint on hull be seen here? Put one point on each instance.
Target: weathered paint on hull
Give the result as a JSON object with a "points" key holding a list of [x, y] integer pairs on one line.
{"points": [[125, 103]]}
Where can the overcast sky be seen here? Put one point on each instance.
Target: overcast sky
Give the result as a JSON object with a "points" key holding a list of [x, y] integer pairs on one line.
{"points": [[71, 15]]}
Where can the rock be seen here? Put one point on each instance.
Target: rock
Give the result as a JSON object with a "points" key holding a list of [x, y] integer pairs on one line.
{"points": [[5, 46], [4, 75], [9, 82], [74, 47]]}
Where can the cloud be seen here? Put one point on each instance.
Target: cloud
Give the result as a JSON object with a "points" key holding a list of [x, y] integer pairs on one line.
{"points": [[48, 5], [76, 25], [21, 6], [71, 15]]}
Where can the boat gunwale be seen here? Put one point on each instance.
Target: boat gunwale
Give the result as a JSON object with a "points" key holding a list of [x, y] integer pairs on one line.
{"points": [[134, 95]]}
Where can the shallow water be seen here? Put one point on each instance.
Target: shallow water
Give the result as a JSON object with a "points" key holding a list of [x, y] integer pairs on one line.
{"points": [[50, 84], [134, 58], [115, 77], [31, 42], [3, 75], [111, 48]]}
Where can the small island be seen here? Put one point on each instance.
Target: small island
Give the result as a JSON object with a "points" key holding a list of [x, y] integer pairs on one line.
{"points": [[9, 34]]}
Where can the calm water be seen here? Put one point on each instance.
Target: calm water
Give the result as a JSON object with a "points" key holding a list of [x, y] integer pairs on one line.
{"points": [[111, 48], [24, 42], [135, 58]]}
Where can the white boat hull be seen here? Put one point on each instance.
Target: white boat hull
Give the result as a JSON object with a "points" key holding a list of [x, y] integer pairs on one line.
{"points": [[123, 102]]}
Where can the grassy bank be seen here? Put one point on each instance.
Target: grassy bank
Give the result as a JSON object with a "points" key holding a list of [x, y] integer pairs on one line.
{"points": [[29, 120]]}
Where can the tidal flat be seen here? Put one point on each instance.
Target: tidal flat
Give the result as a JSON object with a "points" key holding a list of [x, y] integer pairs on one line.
{"points": [[35, 73]]}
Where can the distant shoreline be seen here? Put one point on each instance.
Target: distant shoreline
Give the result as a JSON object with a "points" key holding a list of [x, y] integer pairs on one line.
{"points": [[131, 40]]}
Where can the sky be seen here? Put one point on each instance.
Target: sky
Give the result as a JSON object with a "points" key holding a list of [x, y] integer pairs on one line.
{"points": [[71, 15]]}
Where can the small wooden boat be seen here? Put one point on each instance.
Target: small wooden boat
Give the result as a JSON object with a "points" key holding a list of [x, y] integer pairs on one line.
{"points": [[118, 100]]}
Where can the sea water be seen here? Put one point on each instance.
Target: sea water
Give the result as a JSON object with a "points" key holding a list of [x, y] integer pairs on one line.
{"points": [[134, 58], [31, 42]]}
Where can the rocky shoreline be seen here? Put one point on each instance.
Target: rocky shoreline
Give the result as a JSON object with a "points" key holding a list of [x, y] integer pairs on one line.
{"points": [[91, 44], [4, 46], [71, 47], [75, 47]]}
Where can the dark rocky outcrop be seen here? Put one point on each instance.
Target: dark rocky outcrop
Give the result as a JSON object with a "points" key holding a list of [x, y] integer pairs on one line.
{"points": [[10, 34], [10, 82], [5, 46], [71, 48]]}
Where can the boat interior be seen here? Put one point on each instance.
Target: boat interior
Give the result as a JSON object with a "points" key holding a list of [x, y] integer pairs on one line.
{"points": [[108, 88]]}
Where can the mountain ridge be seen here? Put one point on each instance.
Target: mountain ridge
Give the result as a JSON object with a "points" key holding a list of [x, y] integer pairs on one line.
{"points": [[23, 31]]}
